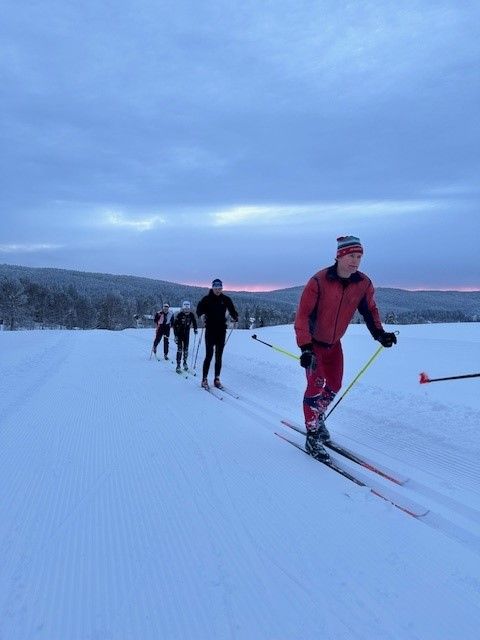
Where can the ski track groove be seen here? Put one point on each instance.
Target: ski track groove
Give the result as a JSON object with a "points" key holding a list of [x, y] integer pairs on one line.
{"points": [[27, 370], [418, 488], [232, 520], [434, 520], [299, 590]]}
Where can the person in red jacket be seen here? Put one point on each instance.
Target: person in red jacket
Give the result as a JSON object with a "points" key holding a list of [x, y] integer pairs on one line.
{"points": [[327, 306]]}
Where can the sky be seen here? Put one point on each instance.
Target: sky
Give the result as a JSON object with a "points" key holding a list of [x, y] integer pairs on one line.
{"points": [[185, 141], [132, 514]]}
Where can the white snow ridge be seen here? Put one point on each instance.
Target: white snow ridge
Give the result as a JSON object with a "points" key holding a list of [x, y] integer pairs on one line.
{"points": [[137, 506]]}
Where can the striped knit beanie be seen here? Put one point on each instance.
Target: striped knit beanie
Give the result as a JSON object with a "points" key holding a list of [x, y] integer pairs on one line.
{"points": [[348, 244]]}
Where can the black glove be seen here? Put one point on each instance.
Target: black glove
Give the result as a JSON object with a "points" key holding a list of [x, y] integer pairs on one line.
{"points": [[307, 359], [195, 331], [387, 339]]}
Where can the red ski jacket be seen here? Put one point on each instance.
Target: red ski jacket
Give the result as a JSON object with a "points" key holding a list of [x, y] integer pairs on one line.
{"points": [[328, 304]]}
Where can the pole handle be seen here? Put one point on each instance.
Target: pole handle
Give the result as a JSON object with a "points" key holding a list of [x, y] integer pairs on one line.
{"points": [[424, 379]]}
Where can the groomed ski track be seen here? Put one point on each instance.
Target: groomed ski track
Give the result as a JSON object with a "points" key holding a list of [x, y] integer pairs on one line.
{"points": [[136, 505]]}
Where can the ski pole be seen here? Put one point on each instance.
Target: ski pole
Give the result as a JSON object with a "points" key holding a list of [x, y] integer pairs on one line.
{"points": [[152, 352], [424, 379], [287, 353], [193, 350], [229, 333], [198, 347], [360, 373]]}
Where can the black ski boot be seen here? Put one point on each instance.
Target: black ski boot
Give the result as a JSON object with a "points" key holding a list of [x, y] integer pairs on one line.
{"points": [[178, 369], [314, 446], [185, 365], [323, 432], [217, 383]]}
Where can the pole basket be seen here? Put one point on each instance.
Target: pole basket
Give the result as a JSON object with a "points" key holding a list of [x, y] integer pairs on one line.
{"points": [[424, 378]]}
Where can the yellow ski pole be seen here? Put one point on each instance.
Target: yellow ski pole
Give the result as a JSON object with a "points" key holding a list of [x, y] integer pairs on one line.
{"points": [[359, 374], [287, 353]]}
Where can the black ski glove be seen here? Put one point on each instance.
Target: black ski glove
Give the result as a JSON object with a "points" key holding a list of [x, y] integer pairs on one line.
{"points": [[307, 359], [387, 339]]}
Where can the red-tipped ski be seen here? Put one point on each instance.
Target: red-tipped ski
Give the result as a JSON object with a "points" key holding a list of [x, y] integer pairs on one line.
{"points": [[416, 511], [384, 472]]}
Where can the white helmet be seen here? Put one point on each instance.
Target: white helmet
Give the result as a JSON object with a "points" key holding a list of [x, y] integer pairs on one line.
{"points": [[186, 304]]}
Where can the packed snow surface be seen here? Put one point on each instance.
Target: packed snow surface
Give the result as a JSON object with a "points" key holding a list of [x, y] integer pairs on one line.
{"points": [[137, 506]]}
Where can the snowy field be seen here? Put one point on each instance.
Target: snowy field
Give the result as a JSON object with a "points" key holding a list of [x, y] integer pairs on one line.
{"points": [[136, 506]]}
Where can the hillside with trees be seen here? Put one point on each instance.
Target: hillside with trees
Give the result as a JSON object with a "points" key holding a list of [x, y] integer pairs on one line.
{"points": [[53, 298]]}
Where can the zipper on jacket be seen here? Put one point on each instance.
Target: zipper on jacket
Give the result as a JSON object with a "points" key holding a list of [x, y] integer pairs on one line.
{"points": [[338, 313]]}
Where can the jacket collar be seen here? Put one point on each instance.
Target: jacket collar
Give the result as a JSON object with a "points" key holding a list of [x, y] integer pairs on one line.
{"points": [[332, 274]]}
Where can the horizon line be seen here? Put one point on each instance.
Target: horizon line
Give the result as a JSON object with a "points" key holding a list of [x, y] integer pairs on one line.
{"points": [[259, 287], [266, 288]]}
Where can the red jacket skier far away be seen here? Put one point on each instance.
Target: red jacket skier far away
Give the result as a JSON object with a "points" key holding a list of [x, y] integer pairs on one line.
{"points": [[337, 304]]}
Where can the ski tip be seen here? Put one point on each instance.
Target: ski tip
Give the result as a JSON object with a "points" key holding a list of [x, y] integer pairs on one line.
{"points": [[424, 378]]}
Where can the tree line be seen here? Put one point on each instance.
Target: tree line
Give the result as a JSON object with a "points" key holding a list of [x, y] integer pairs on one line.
{"points": [[25, 304], [99, 301]]}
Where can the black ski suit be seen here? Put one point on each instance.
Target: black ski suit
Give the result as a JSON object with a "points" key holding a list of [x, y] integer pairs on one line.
{"points": [[181, 329], [215, 308]]}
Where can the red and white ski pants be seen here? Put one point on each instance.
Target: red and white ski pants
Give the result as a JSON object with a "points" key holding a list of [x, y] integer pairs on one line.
{"points": [[323, 382]]}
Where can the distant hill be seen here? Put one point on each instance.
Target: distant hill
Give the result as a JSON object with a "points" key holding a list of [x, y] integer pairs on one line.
{"points": [[132, 295], [403, 303], [96, 284]]}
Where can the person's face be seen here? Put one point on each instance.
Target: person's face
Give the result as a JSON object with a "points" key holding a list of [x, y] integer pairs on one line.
{"points": [[165, 308], [348, 264], [217, 290]]}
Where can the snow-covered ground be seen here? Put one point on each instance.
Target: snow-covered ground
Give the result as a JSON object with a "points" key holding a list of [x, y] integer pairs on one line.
{"points": [[134, 505]]}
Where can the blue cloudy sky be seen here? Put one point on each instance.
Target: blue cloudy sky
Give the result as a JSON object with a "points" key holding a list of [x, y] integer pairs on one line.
{"points": [[185, 140]]}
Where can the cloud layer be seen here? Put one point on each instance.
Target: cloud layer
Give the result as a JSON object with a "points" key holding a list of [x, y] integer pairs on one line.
{"points": [[180, 139]]}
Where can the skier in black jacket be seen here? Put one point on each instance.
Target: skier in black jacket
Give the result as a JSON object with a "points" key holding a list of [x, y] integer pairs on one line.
{"points": [[181, 329], [163, 320], [213, 307]]}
